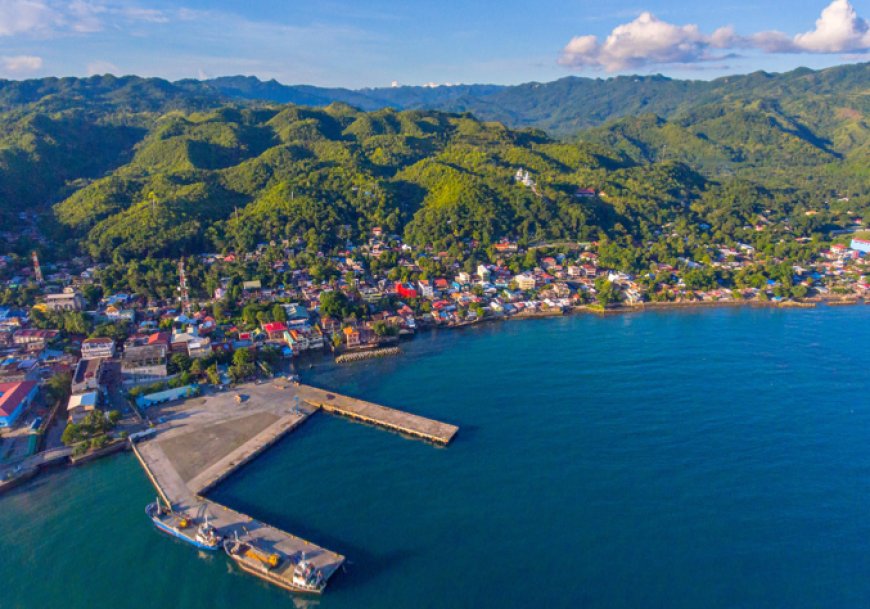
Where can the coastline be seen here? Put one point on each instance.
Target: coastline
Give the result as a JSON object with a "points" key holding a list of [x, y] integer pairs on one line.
{"points": [[623, 308], [28, 473]]}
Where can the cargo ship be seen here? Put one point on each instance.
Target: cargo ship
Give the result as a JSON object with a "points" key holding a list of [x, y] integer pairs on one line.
{"points": [[296, 576], [205, 536]]}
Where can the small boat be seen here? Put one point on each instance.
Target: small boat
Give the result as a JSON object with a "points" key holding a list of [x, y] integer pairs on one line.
{"points": [[204, 537]]}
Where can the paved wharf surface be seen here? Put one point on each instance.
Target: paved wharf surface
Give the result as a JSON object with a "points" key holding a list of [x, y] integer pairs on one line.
{"points": [[221, 433], [200, 441], [375, 414]]}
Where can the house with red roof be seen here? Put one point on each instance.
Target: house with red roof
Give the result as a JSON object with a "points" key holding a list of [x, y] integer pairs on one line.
{"points": [[15, 398], [405, 291], [275, 330]]}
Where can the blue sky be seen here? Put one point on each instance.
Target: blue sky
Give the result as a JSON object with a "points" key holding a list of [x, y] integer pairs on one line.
{"points": [[373, 43]]}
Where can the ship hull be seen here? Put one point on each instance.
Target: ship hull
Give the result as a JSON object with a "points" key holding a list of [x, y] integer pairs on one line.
{"points": [[270, 577], [162, 526]]}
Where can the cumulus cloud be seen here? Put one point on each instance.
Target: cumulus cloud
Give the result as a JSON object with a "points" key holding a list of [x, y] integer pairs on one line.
{"points": [[20, 64], [838, 30], [645, 40], [650, 41]]}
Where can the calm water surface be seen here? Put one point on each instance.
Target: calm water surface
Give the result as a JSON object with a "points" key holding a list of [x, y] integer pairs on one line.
{"points": [[716, 459]]}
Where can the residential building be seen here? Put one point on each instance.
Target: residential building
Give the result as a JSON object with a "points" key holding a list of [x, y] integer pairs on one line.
{"points": [[405, 290], [98, 347], [33, 339], [79, 405], [351, 337], [88, 375], [15, 398], [68, 300], [145, 363], [525, 282], [426, 289], [275, 330], [199, 347]]}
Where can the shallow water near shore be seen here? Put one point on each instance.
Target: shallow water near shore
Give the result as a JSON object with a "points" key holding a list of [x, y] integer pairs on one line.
{"points": [[712, 458]]}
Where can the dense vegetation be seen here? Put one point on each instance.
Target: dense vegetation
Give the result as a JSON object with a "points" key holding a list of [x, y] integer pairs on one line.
{"points": [[232, 178], [137, 171]]}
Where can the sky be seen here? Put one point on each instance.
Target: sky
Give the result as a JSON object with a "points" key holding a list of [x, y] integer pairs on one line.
{"points": [[374, 43]]}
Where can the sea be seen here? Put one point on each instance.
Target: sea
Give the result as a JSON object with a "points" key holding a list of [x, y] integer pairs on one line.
{"points": [[715, 459]]}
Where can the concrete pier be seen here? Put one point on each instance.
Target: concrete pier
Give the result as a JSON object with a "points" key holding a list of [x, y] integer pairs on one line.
{"points": [[381, 416], [199, 442]]}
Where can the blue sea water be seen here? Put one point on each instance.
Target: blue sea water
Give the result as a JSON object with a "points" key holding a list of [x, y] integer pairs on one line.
{"points": [[716, 458]]}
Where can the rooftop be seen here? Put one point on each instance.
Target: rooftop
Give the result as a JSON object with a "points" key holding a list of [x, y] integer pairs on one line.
{"points": [[11, 395]]}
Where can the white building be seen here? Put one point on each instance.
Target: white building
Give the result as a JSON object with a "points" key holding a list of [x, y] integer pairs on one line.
{"points": [[101, 347]]}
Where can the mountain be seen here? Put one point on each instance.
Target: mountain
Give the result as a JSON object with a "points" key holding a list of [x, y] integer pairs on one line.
{"points": [[232, 178], [133, 167], [403, 98], [567, 105]]}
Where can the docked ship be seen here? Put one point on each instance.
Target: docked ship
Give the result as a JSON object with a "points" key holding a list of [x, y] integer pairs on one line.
{"points": [[204, 536], [301, 576]]}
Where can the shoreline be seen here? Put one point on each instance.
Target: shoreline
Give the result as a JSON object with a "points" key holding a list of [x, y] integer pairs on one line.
{"points": [[30, 473], [657, 306]]}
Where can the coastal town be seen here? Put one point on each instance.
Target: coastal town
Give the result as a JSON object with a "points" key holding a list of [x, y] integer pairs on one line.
{"points": [[80, 365]]}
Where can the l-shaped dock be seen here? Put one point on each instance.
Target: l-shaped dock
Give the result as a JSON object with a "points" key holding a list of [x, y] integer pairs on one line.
{"points": [[201, 441], [374, 414]]}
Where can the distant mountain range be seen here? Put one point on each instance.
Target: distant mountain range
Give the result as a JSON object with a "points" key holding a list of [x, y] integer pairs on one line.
{"points": [[560, 107]]}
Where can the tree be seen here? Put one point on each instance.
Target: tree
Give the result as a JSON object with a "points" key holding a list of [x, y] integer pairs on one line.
{"points": [[242, 357], [336, 304], [213, 375], [58, 386], [278, 313], [217, 311], [606, 292], [249, 314], [179, 362], [243, 365], [196, 367]]}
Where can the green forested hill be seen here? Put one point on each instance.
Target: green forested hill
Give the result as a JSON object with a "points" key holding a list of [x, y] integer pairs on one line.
{"points": [[131, 167], [234, 177]]}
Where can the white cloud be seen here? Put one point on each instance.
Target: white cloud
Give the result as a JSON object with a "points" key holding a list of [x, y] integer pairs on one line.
{"points": [[25, 16], [20, 64], [646, 40], [83, 17], [838, 30], [43, 17], [650, 41], [145, 15]]}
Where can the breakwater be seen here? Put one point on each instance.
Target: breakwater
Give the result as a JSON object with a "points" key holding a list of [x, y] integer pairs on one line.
{"points": [[357, 356]]}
